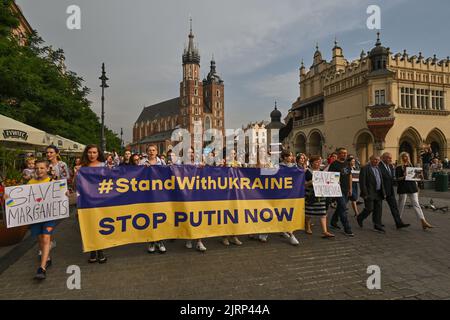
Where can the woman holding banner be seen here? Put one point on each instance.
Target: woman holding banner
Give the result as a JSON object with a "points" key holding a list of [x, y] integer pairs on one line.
{"points": [[232, 163], [192, 161], [287, 160], [93, 157], [154, 160], [315, 206], [409, 189]]}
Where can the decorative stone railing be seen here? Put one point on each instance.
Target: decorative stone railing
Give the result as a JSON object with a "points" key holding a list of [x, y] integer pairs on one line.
{"points": [[308, 121]]}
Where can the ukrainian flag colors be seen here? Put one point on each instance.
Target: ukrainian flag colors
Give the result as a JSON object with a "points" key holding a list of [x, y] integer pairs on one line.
{"points": [[169, 209]]}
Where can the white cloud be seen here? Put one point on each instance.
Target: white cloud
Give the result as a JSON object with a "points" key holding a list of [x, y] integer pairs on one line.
{"points": [[279, 86]]}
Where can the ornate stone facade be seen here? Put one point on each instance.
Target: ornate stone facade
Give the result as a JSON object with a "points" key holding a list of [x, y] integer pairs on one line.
{"points": [[379, 102]]}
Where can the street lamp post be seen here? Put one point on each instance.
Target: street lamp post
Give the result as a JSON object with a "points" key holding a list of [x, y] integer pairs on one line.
{"points": [[121, 139], [103, 86]]}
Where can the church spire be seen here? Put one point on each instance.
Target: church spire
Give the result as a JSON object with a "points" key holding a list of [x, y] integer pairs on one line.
{"points": [[212, 75], [191, 53], [378, 43]]}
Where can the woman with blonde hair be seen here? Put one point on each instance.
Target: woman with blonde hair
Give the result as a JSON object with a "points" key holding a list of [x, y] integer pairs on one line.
{"points": [[315, 206], [302, 161], [409, 189]]}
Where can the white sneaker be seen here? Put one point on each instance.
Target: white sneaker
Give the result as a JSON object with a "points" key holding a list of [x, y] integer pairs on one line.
{"points": [[201, 247], [263, 237], [161, 247], [286, 235], [189, 244], [151, 247], [293, 240]]}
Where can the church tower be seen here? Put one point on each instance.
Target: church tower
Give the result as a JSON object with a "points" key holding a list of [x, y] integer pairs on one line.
{"points": [[214, 99], [191, 88]]}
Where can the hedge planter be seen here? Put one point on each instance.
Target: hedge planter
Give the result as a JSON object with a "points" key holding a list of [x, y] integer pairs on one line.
{"points": [[9, 237]]}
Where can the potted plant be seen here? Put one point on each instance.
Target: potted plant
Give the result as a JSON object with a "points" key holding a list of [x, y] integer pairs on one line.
{"points": [[9, 176]]}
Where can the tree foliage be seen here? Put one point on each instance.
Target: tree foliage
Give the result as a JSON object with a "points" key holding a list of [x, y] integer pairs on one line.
{"points": [[36, 89]]}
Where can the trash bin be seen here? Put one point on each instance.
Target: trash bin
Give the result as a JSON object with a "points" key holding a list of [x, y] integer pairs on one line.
{"points": [[441, 183]]}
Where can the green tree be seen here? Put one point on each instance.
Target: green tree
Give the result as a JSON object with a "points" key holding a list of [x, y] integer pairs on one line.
{"points": [[35, 88]]}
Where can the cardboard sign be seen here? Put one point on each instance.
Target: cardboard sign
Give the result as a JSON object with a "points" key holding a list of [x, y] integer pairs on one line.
{"points": [[414, 174], [326, 184], [35, 203]]}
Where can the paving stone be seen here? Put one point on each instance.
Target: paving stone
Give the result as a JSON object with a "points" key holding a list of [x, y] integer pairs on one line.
{"points": [[414, 265]]}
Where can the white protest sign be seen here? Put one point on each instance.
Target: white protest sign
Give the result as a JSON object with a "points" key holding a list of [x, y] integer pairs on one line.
{"points": [[414, 174], [35, 203], [326, 184]]}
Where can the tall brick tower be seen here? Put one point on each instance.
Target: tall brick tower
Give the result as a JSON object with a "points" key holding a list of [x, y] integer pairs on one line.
{"points": [[191, 88], [214, 99]]}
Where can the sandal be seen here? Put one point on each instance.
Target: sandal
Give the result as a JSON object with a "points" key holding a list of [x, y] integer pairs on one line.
{"points": [[308, 232], [327, 235], [235, 241]]}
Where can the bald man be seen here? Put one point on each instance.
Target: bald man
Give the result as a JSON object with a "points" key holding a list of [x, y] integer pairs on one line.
{"points": [[372, 191], [388, 174]]}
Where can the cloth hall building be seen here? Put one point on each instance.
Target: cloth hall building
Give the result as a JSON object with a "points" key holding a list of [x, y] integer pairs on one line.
{"points": [[381, 102]]}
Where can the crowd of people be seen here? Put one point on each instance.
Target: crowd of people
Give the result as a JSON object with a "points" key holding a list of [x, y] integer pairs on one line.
{"points": [[431, 162], [372, 182]]}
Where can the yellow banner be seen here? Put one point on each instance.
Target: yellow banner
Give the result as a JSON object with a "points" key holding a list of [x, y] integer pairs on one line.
{"points": [[119, 225]]}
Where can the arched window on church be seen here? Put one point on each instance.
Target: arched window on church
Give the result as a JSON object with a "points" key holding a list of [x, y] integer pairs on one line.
{"points": [[207, 122]]}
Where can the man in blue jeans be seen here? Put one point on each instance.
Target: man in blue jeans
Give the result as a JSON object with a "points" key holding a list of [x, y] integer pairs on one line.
{"points": [[340, 165]]}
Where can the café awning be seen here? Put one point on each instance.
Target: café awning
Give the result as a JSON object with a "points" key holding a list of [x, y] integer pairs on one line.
{"points": [[64, 144], [17, 132]]}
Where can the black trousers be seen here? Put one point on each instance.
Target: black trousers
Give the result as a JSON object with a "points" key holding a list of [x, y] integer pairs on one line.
{"points": [[392, 202], [373, 206]]}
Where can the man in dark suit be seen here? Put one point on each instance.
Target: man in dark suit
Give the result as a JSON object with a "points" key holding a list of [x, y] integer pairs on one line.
{"points": [[388, 175], [372, 191]]}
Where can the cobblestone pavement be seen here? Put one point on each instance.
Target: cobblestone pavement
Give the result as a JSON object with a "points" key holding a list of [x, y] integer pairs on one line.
{"points": [[414, 265]]}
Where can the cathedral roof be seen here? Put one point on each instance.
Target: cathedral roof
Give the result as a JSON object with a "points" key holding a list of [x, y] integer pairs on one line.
{"points": [[160, 136], [160, 110]]}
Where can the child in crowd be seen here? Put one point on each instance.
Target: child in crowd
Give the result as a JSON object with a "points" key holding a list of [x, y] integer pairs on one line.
{"points": [[42, 230], [28, 173]]}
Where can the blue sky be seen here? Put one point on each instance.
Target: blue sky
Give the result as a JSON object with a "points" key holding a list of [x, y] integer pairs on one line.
{"points": [[257, 45]]}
